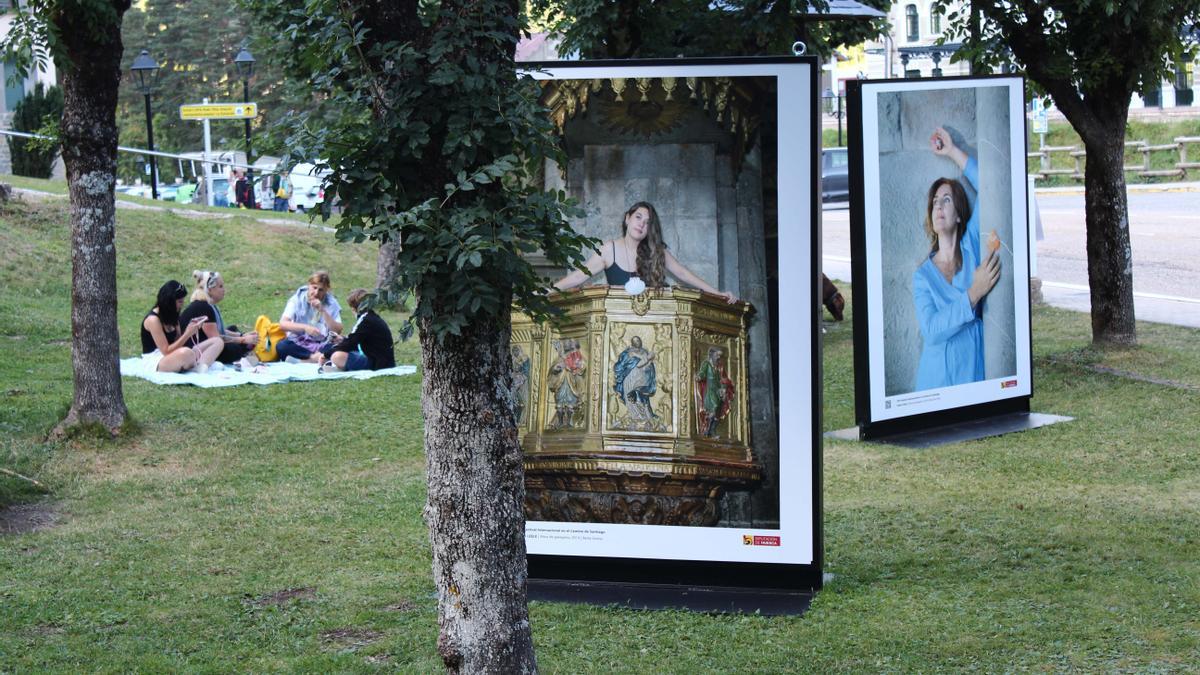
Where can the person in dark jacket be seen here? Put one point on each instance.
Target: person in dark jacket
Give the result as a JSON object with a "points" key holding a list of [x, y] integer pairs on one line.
{"points": [[244, 191], [369, 344]]}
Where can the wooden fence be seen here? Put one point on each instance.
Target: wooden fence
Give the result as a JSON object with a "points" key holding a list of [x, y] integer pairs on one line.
{"points": [[1179, 169]]}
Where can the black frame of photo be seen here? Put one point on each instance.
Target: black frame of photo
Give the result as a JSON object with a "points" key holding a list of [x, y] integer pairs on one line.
{"points": [[869, 428], [726, 575]]}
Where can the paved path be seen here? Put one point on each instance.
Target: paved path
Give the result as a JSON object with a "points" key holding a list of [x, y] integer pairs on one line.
{"points": [[28, 193]]}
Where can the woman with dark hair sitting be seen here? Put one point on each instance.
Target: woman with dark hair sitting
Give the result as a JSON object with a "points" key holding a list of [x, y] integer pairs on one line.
{"points": [[164, 343]]}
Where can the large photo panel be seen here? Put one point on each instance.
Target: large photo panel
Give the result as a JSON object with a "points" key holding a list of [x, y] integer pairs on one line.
{"points": [[651, 420], [944, 237]]}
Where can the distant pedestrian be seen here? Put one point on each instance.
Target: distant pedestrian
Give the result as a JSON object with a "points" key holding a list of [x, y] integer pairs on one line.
{"points": [[281, 186], [243, 191]]}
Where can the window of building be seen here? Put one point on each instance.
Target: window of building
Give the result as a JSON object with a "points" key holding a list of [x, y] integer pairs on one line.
{"points": [[935, 21], [913, 25]]}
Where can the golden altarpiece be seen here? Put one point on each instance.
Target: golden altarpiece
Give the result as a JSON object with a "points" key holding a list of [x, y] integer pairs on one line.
{"points": [[634, 409]]}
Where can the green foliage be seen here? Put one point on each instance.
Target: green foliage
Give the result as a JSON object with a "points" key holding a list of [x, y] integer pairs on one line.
{"points": [[33, 38], [194, 42], [435, 142], [1081, 52], [39, 112], [670, 28]]}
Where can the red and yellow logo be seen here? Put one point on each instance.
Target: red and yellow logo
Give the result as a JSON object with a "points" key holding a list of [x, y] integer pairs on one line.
{"points": [[760, 540], [1008, 383]]}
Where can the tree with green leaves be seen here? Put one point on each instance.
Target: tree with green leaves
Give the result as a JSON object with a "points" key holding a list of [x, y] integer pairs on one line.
{"points": [[668, 28], [38, 112], [1089, 57], [84, 39], [194, 42], [438, 146]]}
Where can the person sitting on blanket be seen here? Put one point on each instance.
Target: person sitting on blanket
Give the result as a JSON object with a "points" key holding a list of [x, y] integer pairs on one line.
{"points": [[369, 344], [165, 344], [210, 290], [311, 315]]}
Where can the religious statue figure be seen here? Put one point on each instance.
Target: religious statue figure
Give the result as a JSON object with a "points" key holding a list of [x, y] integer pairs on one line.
{"points": [[714, 392], [635, 381], [520, 383], [567, 382]]}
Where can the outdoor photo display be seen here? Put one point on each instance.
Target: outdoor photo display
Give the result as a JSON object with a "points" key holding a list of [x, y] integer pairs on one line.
{"points": [[650, 419], [941, 245]]}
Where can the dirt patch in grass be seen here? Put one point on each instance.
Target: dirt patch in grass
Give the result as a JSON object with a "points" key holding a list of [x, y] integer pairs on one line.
{"points": [[284, 597], [378, 659], [349, 639], [137, 461], [25, 518], [402, 606]]}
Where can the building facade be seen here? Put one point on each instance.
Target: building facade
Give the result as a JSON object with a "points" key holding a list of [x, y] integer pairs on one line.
{"points": [[910, 49]]}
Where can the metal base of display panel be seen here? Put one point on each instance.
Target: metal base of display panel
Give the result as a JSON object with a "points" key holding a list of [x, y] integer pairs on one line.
{"points": [[711, 599], [967, 430]]}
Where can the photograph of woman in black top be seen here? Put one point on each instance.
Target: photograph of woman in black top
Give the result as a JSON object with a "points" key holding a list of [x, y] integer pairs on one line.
{"points": [[639, 252]]}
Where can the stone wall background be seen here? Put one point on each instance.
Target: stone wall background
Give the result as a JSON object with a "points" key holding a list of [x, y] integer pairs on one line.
{"points": [[978, 121]]}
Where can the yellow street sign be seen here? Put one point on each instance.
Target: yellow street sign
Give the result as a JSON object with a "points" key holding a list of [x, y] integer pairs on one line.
{"points": [[218, 111]]}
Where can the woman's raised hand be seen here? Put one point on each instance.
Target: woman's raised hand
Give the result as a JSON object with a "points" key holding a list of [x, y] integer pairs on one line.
{"points": [[986, 276], [940, 142]]}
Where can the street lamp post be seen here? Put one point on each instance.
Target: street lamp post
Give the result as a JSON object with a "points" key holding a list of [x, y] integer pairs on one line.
{"points": [[145, 70], [245, 67]]}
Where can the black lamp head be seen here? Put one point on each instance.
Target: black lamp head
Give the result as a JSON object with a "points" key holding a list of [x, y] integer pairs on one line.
{"points": [[145, 69]]}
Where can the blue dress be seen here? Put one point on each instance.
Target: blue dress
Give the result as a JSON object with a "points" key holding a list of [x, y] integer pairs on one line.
{"points": [[952, 330]]}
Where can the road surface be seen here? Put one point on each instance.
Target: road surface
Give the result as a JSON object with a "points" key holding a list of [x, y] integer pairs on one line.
{"points": [[1165, 235]]}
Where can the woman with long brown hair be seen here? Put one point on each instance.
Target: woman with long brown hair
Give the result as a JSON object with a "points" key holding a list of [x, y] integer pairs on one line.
{"points": [[639, 255], [950, 285]]}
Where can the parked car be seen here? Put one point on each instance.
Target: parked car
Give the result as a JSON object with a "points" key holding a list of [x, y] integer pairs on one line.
{"points": [[835, 176]]}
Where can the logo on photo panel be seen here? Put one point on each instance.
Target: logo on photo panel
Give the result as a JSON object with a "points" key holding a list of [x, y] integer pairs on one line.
{"points": [[760, 540]]}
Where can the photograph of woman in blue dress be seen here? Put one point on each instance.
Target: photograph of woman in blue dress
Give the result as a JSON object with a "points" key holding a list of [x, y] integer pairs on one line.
{"points": [[950, 286]]}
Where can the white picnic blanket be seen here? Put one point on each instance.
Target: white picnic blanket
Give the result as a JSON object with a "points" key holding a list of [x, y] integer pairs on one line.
{"points": [[265, 373]]}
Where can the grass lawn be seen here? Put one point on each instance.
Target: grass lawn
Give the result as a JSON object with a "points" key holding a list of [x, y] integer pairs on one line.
{"points": [[279, 528]]}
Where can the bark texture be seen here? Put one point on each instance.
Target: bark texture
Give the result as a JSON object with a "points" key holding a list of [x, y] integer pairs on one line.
{"points": [[1109, 252], [1098, 110], [474, 509], [386, 266], [89, 149]]}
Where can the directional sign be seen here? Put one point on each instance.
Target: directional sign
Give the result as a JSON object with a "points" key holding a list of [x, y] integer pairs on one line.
{"points": [[218, 111]]}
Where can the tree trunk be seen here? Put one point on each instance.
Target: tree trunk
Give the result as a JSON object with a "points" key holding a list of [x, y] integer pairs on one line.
{"points": [[89, 149], [386, 268], [474, 509], [1110, 256]]}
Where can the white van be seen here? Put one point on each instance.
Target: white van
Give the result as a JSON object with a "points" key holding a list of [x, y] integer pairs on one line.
{"points": [[306, 186]]}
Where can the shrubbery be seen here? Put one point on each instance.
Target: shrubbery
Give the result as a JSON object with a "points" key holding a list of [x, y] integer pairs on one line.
{"points": [[39, 112]]}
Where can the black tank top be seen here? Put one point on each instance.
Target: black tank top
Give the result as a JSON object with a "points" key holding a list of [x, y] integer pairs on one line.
{"points": [[614, 274], [148, 340]]}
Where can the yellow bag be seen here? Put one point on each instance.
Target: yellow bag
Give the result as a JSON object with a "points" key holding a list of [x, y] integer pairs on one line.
{"points": [[281, 193], [269, 335]]}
